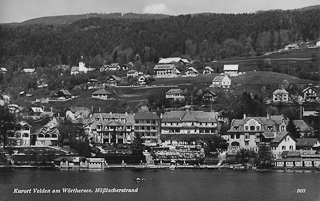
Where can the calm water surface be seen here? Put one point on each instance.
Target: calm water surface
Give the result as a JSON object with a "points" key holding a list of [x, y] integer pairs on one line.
{"points": [[163, 185]]}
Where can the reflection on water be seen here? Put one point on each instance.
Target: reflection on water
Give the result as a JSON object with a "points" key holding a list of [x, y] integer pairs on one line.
{"points": [[162, 185]]}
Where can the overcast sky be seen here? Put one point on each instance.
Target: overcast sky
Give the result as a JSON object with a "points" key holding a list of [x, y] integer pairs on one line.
{"points": [[21, 10]]}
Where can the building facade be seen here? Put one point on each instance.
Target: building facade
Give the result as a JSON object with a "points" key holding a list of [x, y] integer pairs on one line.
{"points": [[189, 122], [249, 132], [147, 125], [175, 94], [280, 95], [165, 71], [115, 128], [222, 81]]}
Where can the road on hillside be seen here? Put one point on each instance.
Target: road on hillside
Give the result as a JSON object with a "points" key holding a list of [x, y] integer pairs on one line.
{"points": [[276, 59]]}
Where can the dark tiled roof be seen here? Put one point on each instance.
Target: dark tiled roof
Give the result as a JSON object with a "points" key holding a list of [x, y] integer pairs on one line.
{"points": [[306, 142], [101, 91], [301, 125]]}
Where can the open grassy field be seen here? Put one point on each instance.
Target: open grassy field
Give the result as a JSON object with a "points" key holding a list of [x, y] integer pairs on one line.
{"points": [[307, 59]]}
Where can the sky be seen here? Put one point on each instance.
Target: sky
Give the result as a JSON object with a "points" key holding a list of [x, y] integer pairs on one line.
{"points": [[21, 10]]}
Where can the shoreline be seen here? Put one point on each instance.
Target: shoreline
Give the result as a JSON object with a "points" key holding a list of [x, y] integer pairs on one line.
{"points": [[166, 167]]}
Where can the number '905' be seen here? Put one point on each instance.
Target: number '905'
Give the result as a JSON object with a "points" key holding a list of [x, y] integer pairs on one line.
{"points": [[301, 190]]}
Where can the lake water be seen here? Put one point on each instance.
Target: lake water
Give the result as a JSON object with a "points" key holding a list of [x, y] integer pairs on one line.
{"points": [[163, 185]]}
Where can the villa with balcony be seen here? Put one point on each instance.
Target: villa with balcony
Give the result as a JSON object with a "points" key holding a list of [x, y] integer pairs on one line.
{"points": [[147, 125], [21, 134], [181, 125], [115, 128], [251, 132]]}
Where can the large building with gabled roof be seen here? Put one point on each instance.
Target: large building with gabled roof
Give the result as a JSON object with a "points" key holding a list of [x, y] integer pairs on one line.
{"points": [[251, 132], [180, 125], [116, 128], [165, 71]]}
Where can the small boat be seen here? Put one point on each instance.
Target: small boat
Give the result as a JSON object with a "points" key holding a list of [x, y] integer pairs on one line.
{"points": [[138, 179]]}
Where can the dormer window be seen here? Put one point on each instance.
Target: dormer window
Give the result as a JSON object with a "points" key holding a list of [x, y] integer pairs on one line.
{"points": [[252, 128], [282, 128], [258, 128], [236, 128], [246, 128]]}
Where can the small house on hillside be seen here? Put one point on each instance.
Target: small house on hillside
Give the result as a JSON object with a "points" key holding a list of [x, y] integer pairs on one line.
{"points": [[142, 80], [231, 70], [113, 81], [222, 81], [173, 60], [64, 94], [191, 72], [280, 95], [310, 94], [132, 73], [3, 70], [74, 70], [102, 94], [208, 70], [73, 113], [175, 94], [128, 66], [29, 70], [209, 95], [114, 67]]}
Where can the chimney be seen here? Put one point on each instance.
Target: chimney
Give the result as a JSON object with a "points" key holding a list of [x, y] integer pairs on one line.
{"points": [[274, 134], [126, 113], [99, 109], [244, 116], [268, 116], [110, 113], [92, 109]]}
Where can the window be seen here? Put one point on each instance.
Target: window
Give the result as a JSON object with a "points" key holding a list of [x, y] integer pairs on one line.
{"points": [[282, 128], [252, 128], [291, 147], [258, 128], [283, 147], [238, 136], [246, 136], [246, 143], [247, 128], [232, 136]]}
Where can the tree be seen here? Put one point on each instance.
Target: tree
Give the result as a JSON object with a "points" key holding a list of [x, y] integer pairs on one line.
{"points": [[137, 146], [265, 156], [7, 121], [245, 156], [293, 130]]}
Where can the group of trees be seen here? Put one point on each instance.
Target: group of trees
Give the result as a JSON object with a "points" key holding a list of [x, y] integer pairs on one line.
{"points": [[202, 36], [262, 158]]}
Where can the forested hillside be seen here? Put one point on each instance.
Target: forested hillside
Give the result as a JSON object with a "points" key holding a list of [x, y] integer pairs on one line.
{"points": [[201, 37]]}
